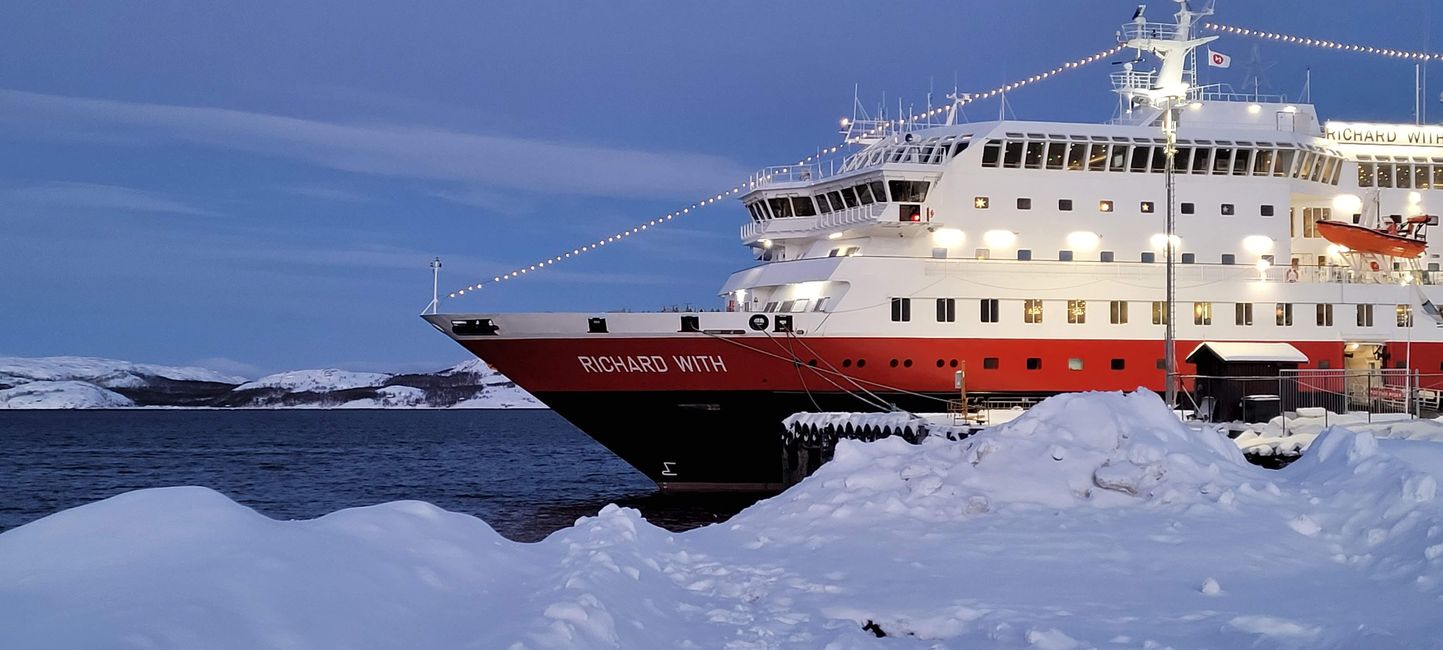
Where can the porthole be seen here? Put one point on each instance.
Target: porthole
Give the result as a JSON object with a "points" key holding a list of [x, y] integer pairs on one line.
{"points": [[892, 363], [846, 363], [941, 363], [907, 363], [952, 363], [861, 363]]}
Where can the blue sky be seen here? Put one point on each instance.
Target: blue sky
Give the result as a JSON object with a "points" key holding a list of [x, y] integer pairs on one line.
{"points": [[259, 186]]}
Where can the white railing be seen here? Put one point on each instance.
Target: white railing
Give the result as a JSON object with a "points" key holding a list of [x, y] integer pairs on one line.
{"points": [[1159, 31], [822, 222], [1133, 80]]}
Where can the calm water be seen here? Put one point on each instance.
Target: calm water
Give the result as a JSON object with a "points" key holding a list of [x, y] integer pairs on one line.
{"points": [[527, 473]]}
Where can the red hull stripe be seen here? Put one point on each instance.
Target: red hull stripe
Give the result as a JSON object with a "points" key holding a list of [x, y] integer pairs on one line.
{"points": [[705, 363]]}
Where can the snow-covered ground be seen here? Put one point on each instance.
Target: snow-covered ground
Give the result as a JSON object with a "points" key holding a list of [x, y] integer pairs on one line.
{"points": [[1094, 520], [106, 373], [315, 381], [1292, 435]]}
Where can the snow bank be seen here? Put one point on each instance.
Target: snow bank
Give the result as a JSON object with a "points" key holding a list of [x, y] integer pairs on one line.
{"points": [[108, 373], [317, 381], [1094, 520], [61, 395], [390, 397]]}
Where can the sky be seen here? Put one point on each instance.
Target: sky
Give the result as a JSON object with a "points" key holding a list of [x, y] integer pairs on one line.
{"points": [[260, 186]]}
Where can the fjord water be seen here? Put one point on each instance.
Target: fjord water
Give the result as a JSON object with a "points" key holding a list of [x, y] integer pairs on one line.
{"points": [[527, 473]]}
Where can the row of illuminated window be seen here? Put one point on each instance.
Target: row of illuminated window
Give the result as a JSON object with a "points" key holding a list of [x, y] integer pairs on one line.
{"points": [[839, 198], [1202, 312], [1252, 160], [1109, 206], [1400, 175], [797, 305], [931, 151], [988, 363]]}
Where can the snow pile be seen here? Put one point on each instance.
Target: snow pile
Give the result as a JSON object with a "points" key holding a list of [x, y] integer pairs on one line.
{"points": [[1095, 520], [317, 381], [107, 373], [1292, 436], [61, 395]]}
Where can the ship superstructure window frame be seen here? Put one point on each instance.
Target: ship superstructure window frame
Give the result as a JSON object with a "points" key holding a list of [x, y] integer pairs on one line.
{"points": [[908, 191], [946, 310], [1243, 314], [901, 310], [1077, 312], [1148, 155], [1159, 312], [1404, 314], [1365, 315], [1202, 313], [1283, 314], [990, 310], [1117, 312], [1324, 313], [1032, 311]]}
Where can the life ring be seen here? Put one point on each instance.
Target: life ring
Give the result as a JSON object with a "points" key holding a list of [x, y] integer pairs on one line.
{"points": [[1292, 274], [758, 322]]}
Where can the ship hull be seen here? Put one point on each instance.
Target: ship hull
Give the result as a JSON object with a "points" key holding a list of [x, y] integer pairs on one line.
{"points": [[690, 425]]}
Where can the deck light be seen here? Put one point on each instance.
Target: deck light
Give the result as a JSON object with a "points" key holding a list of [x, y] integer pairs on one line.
{"points": [[948, 237]]}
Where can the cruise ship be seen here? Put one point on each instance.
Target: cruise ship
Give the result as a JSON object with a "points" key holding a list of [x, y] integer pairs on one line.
{"points": [[1032, 255]]}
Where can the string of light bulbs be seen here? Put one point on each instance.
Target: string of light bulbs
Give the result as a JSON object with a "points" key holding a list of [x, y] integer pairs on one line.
{"points": [[821, 153], [1324, 43]]}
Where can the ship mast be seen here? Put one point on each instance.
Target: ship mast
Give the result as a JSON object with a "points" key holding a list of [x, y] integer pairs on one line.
{"points": [[1164, 90]]}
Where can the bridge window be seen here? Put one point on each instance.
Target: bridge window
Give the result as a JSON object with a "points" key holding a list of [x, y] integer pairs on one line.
{"points": [[864, 194], [1420, 175], [1056, 151], [991, 153], [1263, 163], [1140, 158], [1241, 163], [835, 198], [908, 191], [1405, 177], [781, 208], [961, 146], [1180, 159], [1012, 155], [1076, 156], [1097, 158], [1365, 174], [802, 206], [1222, 160], [1437, 176], [1118, 161], [849, 197], [1033, 157], [1201, 159]]}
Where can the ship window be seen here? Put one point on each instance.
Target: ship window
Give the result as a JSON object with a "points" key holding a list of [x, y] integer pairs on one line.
{"points": [[1405, 177], [908, 191], [1243, 314], [1181, 160], [780, 207], [1385, 175], [1283, 314], [1097, 158], [829, 202], [1074, 364], [1284, 165], [1242, 162], [1064, 205], [946, 310], [752, 208], [1266, 210], [1365, 174], [1227, 209], [1311, 217], [989, 310], [1325, 314], [1201, 158], [1076, 156], [961, 146], [1305, 169], [1146, 207], [787, 305], [1012, 155], [1118, 161], [1119, 364], [1159, 312], [864, 194], [1405, 315], [981, 202], [1055, 153], [1104, 206], [800, 305], [1034, 363], [1024, 204], [1032, 311], [836, 199], [1159, 160], [1118, 312], [1077, 312], [771, 306], [1365, 315], [1140, 158], [822, 303], [1318, 166], [879, 191], [1438, 176], [802, 206], [1188, 208], [1202, 313], [991, 153], [901, 309], [1222, 160], [990, 363], [852, 251], [1033, 158], [1263, 163]]}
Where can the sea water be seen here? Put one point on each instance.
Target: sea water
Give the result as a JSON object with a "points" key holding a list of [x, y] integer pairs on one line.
{"points": [[527, 473]]}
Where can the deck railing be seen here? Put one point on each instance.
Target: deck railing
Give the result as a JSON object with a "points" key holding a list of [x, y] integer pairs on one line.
{"points": [[801, 225]]}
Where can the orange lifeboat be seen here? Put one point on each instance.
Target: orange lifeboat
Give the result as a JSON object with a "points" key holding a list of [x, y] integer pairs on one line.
{"points": [[1391, 241]]}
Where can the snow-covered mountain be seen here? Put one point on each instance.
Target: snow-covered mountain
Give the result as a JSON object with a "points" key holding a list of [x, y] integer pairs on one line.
{"points": [[83, 382]]}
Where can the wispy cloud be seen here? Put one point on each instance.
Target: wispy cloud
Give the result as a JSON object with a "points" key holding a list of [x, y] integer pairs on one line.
{"points": [[325, 193], [407, 151], [90, 196]]}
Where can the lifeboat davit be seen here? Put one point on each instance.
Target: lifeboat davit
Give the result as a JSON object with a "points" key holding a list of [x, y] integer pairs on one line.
{"points": [[1369, 240]]}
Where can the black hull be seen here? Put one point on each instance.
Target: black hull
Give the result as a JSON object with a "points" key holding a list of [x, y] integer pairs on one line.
{"points": [[705, 441]]}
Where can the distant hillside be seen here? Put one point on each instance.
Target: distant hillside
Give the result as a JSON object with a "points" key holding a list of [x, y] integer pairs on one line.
{"points": [[83, 382]]}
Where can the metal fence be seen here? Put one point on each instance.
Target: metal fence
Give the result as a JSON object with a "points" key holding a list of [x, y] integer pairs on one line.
{"points": [[1374, 391]]}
